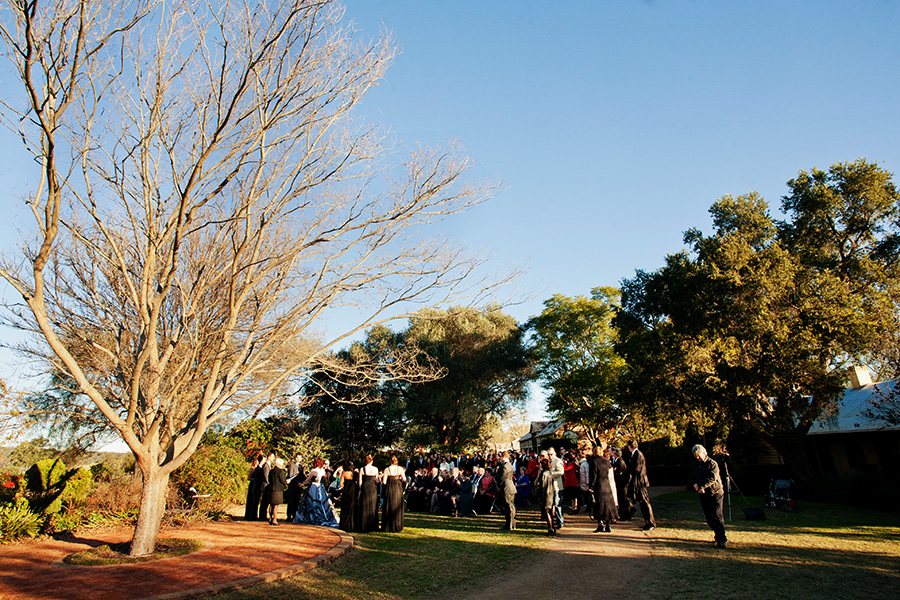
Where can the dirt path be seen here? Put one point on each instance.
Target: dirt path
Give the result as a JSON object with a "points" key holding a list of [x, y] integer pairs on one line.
{"points": [[234, 554], [582, 564]]}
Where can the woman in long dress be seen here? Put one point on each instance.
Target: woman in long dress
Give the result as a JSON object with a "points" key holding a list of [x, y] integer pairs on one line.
{"points": [[251, 509], [605, 511], [368, 497], [316, 507], [394, 481], [349, 498]]}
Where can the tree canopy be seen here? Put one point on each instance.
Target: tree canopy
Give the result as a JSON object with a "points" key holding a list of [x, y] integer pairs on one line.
{"points": [[573, 348], [761, 319]]}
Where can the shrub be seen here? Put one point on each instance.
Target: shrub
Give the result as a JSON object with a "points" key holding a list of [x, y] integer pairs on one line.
{"points": [[17, 521], [307, 446], [44, 475], [218, 470]]}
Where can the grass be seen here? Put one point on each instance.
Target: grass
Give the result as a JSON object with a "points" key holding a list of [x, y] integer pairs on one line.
{"points": [[432, 556], [117, 554], [820, 551]]}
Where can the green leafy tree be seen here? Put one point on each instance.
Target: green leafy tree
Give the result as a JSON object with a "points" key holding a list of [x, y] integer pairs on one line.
{"points": [[361, 414], [573, 347], [761, 320], [487, 369]]}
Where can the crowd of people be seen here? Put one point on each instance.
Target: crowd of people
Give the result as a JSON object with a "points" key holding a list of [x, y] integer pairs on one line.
{"points": [[610, 484]]}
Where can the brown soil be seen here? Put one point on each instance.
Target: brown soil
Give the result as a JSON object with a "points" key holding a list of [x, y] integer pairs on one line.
{"points": [[583, 564], [235, 554]]}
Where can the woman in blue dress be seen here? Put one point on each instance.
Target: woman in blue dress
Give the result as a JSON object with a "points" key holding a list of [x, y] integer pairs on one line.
{"points": [[316, 507]]}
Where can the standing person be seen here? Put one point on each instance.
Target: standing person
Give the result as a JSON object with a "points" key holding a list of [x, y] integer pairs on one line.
{"points": [[506, 490], [620, 475], [265, 488], [546, 494], [277, 485], [584, 485], [251, 510], [570, 482], [557, 470], [708, 484], [349, 498], [604, 496], [368, 497], [639, 485], [394, 481], [295, 476]]}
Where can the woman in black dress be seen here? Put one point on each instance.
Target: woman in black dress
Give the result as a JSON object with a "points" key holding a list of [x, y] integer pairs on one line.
{"points": [[394, 485], [368, 497], [349, 498], [251, 509], [278, 483], [605, 510]]}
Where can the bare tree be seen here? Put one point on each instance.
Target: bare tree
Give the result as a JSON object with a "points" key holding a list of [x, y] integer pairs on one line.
{"points": [[204, 197]]}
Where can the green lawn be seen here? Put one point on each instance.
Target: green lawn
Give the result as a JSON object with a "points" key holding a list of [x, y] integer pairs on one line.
{"points": [[821, 551]]}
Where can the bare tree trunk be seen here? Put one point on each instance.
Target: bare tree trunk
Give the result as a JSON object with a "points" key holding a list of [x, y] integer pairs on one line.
{"points": [[153, 506]]}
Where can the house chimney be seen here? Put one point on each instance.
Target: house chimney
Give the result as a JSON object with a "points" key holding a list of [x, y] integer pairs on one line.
{"points": [[860, 376]]}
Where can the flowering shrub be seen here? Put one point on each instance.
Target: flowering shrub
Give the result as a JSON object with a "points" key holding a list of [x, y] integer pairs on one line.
{"points": [[10, 487]]}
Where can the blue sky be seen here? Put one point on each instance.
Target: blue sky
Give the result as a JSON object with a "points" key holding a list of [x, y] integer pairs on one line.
{"points": [[614, 125]]}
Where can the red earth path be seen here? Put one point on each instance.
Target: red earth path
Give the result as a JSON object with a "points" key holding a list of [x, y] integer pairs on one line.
{"points": [[235, 554]]}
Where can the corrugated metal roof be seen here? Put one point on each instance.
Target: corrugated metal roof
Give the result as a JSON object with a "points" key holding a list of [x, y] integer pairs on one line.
{"points": [[850, 414]]}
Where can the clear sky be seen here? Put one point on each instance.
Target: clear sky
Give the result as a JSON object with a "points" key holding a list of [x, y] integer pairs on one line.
{"points": [[615, 124]]}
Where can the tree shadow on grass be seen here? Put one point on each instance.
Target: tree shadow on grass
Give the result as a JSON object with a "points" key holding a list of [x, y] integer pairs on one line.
{"points": [[753, 570]]}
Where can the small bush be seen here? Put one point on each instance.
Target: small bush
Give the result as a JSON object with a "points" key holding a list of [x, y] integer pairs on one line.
{"points": [[17, 521], [43, 475], [218, 470]]}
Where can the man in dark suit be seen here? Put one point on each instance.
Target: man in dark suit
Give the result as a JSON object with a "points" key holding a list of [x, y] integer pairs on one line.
{"points": [[295, 477], [506, 490], [708, 484], [265, 487], [639, 485]]}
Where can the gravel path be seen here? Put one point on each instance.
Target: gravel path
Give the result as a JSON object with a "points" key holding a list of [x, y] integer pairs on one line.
{"points": [[582, 564]]}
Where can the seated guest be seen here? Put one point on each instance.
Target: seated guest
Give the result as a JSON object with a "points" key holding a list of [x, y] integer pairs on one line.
{"points": [[523, 487], [487, 491]]}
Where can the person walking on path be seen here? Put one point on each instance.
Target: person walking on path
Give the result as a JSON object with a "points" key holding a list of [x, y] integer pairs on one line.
{"points": [[639, 485], [557, 470], [602, 487], [708, 484]]}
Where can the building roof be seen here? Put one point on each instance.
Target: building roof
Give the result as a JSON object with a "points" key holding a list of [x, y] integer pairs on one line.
{"points": [[850, 416]]}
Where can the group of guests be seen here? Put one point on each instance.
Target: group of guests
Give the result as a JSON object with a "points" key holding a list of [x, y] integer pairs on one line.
{"points": [[359, 497], [611, 484], [271, 483]]}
